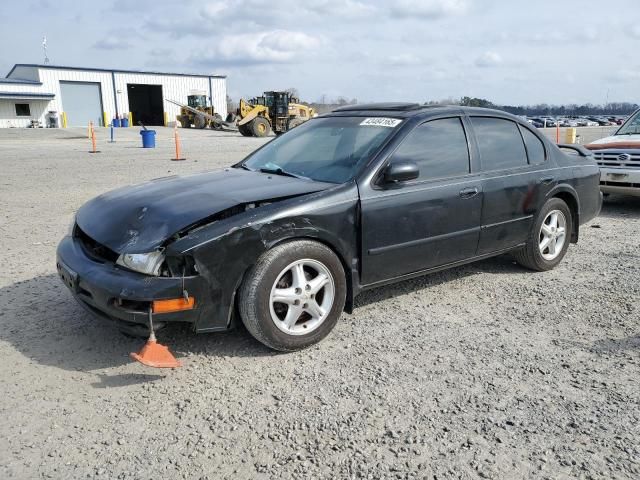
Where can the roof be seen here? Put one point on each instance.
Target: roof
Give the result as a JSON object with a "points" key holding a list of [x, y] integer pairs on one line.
{"points": [[387, 106], [20, 81], [404, 110], [26, 96], [109, 70]]}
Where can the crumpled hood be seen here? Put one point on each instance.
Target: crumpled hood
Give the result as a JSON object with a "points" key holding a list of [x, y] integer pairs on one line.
{"points": [[616, 141], [139, 218]]}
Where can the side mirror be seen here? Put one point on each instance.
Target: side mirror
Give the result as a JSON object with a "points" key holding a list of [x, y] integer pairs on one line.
{"points": [[400, 172]]}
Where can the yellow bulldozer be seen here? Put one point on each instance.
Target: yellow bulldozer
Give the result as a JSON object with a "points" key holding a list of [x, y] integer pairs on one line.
{"points": [[198, 112], [276, 111]]}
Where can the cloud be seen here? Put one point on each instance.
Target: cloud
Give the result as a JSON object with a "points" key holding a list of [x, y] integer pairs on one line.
{"points": [[625, 75], [429, 9], [276, 46], [404, 60], [111, 43], [488, 59], [343, 8]]}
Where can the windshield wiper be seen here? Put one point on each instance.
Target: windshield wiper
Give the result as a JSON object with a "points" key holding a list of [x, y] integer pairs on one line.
{"points": [[243, 166], [280, 171]]}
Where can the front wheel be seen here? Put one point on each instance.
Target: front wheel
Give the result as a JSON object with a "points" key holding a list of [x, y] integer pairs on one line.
{"points": [[294, 295], [549, 238]]}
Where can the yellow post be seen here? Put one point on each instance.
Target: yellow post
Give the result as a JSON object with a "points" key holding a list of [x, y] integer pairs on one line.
{"points": [[104, 119], [570, 135], [130, 119], [166, 119], [64, 120]]}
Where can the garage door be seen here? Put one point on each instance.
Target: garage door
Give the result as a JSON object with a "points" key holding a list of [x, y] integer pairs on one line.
{"points": [[82, 103]]}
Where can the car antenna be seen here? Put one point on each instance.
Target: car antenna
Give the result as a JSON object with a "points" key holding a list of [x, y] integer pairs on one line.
{"points": [[154, 354]]}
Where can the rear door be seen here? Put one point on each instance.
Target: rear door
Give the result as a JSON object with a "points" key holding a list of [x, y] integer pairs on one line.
{"points": [[515, 181], [428, 222]]}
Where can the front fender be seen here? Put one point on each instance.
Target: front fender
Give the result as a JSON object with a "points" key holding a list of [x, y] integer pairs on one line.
{"points": [[225, 250]]}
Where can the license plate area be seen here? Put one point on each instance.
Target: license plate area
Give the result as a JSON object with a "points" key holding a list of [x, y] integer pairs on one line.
{"points": [[617, 177], [68, 276]]}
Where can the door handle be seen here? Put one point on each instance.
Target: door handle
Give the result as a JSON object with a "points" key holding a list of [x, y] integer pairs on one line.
{"points": [[546, 180], [469, 192]]}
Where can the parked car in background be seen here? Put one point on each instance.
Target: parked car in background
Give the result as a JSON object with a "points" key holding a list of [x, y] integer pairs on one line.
{"points": [[359, 198], [619, 158], [535, 122], [585, 122]]}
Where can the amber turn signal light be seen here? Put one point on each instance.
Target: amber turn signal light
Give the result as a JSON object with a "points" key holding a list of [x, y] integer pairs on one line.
{"points": [[173, 305]]}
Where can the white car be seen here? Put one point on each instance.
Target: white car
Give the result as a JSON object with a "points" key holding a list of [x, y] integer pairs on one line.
{"points": [[618, 157]]}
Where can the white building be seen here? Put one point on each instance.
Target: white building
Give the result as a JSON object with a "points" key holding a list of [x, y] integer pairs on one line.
{"points": [[80, 95]]}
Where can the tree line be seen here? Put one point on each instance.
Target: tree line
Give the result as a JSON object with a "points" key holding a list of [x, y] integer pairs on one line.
{"points": [[611, 108]]}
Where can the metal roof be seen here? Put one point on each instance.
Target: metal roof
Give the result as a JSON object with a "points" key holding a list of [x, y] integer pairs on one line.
{"points": [[110, 70], [20, 81], [26, 96]]}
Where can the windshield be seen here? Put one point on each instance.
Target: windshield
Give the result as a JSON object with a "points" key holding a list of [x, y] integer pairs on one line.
{"points": [[631, 126], [330, 149]]}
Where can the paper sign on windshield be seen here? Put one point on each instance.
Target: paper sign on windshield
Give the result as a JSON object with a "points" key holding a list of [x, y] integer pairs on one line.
{"points": [[381, 122]]}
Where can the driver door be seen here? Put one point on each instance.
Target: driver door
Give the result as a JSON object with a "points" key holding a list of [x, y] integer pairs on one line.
{"points": [[428, 222]]}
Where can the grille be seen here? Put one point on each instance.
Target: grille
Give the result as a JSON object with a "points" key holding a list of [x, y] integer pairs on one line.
{"points": [[95, 250], [618, 158]]}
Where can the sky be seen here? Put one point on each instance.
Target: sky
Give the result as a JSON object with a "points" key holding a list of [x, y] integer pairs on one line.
{"points": [[508, 51]]}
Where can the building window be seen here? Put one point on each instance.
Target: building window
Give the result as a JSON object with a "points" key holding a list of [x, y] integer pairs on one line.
{"points": [[23, 110]]}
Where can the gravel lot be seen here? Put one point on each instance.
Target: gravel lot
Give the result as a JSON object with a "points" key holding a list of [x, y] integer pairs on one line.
{"points": [[484, 371]]}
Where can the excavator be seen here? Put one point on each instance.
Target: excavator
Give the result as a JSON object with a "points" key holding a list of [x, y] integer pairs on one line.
{"points": [[277, 111]]}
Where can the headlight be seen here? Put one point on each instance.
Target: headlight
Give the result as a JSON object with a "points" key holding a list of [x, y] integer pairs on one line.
{"points": [[148, 263]]}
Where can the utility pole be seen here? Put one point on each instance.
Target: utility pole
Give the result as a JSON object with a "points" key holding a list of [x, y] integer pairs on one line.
{"points": [[44, 47]]}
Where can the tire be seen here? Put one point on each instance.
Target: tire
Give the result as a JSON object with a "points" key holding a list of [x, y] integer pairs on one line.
{"points": [[217, 125], [184, 121], [231, 117], [260, 127], [293, 123], [199, 121], [245, 130], [267, 320], [532, 255]]}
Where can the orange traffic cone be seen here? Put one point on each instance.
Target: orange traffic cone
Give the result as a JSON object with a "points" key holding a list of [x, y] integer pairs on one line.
{"points": [[154, 354]]}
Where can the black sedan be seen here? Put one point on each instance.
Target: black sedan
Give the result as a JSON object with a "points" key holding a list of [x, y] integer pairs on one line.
{"points": [[364, 196]]}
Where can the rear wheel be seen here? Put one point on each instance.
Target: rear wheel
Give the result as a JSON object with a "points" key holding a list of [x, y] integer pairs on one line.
{"points": [[294, 295], [260, 127], [217, 124], [294, 122], [185, 122], [549, 238]]}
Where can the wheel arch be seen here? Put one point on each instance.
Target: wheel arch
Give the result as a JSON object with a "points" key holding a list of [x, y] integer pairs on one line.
{"points": [[348, 273], [568, 195]]}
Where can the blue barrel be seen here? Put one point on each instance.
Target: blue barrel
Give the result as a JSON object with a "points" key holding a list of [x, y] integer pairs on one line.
{"points": [[148, 138], [115, 122], [124, 122]]}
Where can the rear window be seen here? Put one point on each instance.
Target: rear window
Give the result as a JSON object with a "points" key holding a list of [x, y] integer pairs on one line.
{"points": [[535, 148], [500, 143]]}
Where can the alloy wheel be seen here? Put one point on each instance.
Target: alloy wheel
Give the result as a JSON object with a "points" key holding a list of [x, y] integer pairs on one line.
{"points": [[301, 297], [552, 235]]}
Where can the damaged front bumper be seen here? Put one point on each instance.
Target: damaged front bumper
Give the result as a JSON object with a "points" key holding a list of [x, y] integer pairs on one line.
{"points": [[114, 293]]}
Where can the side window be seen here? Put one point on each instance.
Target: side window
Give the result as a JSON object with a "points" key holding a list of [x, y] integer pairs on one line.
{"points": [[500, 143], [535, 148], [438, 147], [22, 110]]}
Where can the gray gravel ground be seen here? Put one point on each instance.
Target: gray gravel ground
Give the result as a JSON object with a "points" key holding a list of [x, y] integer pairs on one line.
{"points": [[484, 371]]}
